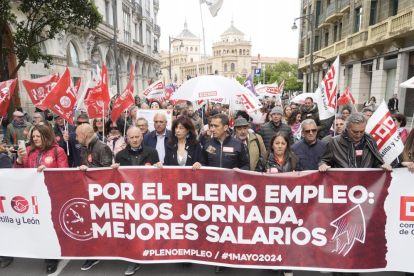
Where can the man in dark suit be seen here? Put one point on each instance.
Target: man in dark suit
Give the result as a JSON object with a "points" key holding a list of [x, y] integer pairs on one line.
{"points": [[393, 104], [159, 137]]}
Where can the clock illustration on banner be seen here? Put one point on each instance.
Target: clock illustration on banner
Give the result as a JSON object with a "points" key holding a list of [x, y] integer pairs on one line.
{"points": [[74, 219]]}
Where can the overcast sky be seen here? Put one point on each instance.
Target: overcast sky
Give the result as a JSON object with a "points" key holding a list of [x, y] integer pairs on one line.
{"points": [[267, 22]]}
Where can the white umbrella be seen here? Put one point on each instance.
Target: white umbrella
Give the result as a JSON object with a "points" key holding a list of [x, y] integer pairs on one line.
{"points": [[207, 87], [301, 98], [408, 84]]}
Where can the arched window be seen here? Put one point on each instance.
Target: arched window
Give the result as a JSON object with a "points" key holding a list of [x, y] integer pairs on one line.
{"points": [[191, 49], [232, 67], [228, 51], [129, 63], [72, 54], [244, 52], [111, 78], [196, 49], [191, 60], [186, 49], [232, 51], [225, 67], [247, 52], [240, 52], [175, 78], [211, 69]]}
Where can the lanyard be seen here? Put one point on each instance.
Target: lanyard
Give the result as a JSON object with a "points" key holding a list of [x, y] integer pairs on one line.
{"points": [[38, 160]]}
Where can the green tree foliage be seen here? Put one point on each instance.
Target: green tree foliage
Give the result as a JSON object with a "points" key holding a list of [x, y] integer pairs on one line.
{"points": [[44, 19], [240, 80], [279, 72]]}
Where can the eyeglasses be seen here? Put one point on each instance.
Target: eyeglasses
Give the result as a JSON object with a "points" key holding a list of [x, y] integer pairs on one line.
{"points": [[141, 125], [158, 122], [310, 130], [80, 123], [125, 111], [98, 120], [113, 128]]}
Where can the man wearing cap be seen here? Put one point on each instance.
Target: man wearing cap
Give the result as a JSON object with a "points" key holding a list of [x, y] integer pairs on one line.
{"points": [[18, 129], [60, 130], [269, 129], [253, 142]]}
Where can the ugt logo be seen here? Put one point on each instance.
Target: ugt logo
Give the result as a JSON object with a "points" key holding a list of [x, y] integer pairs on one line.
{"points": [[20, 204], [407, 208]]}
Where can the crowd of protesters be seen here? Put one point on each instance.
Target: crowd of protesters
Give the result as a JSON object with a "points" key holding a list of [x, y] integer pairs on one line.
{"points": [[288, 137]]}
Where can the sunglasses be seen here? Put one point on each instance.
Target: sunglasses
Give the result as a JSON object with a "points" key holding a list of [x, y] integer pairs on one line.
{"points": [[80, 123], [113, 128], [98, 120], [310, 130]]}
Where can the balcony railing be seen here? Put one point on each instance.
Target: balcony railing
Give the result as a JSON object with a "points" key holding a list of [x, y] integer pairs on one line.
{"points": [[157, 29], [368, 42], [331, 9], [138, 8], [321, 20], [345, 6], [156, 4], [304, 3]]}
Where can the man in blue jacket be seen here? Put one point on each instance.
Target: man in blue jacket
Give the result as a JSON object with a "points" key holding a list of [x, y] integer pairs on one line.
{"points": [[159, 137], [310, 150]]}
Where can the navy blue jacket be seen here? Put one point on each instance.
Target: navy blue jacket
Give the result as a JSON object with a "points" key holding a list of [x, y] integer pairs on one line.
{"points": [[309, 155], [150, 139], [59, 136], [194, 154], [231, 154]]}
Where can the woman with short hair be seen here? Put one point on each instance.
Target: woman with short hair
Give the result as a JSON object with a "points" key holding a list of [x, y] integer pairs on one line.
{"points": [[400, 121]]}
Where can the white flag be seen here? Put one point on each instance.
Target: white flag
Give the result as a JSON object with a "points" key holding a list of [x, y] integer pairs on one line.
{"points": [[267, 90], [408, 83], [80, 106], [155, 90], [381, 126], [213, 5], [325, 95], [281, 86]]}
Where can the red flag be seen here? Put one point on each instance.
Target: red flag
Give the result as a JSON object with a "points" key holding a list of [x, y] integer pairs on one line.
{"points": [[345, 98], [62, 98], [39, 88], [77, 86], [6, 92], [150, 82], [125, 100], [98, 99]]}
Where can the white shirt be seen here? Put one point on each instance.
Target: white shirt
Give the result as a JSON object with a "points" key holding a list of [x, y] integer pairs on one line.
{"points": [[160, 147]]}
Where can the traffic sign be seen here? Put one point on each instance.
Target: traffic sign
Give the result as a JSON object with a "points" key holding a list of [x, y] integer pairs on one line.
{"points": [[257, 72]]}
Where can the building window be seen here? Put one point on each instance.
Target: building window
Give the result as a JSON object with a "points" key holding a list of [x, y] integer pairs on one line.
{"points": [[247, 52], [136, 31], [340, 31], [335, 32], [72, 54], [148, 41], [196, 49], [127, 24], [326, 39], [350, 70], [318, 12], [373, 13], [308, 46], [141, 31], [191, 49], [225, 67], [358, 19], [108, 12], [394, 7], [232, 67], [316, 48]]}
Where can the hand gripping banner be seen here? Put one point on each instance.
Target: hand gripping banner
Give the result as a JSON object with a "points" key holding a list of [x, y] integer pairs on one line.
{"points": [[342, 220]]}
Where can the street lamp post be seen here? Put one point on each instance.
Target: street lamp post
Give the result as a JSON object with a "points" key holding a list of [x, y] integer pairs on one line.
{"points": [[309, 18], [171, 40]]}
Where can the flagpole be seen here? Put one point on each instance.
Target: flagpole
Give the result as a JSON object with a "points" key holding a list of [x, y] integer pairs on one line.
{"points": [[103, 123], [204, 41], [334, 126], [65, 123], [125, 122]]}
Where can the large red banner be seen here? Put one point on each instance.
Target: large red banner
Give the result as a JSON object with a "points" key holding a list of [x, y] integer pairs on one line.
{"points": [[332, 220]]}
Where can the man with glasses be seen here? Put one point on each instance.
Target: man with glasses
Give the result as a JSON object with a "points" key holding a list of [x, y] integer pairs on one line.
{"points": [[353, 148], [310, 150], [339, 127], [159, 137], [60, 130], [142, 124], [37, 118], [18, 129]]}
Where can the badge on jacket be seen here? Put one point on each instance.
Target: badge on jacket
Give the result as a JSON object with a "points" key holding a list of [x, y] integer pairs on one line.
{"points": [[48, 160], [228, 149], [25, 132], [211, 150], [90, 158]]}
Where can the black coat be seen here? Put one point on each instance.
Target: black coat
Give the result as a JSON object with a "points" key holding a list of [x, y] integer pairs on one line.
{"points": [[391, 104], [5, 161], [194, 154], [271, 163], [268, 130], [144, 155]]}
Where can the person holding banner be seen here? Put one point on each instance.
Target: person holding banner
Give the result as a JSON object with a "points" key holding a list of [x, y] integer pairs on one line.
{"points": [[279, 157], [43, 152], [183, 149], [159, 137], [353, 148], [97, 154]]}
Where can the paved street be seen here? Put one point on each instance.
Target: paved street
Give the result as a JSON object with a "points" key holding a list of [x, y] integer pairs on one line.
{"points": [[34, 267]]}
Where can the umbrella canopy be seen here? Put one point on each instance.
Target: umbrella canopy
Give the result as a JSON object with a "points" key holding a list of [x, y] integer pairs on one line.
{"points": [[207, 87], [408, 84], [300, 99]]}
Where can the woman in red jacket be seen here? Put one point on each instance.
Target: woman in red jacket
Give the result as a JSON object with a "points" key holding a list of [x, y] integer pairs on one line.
{"points": [[43, 153]]}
